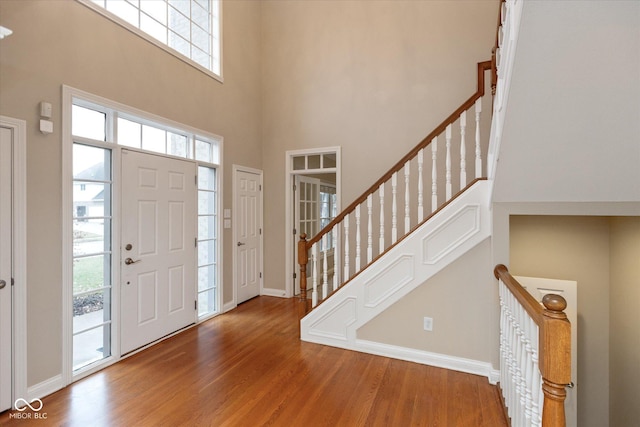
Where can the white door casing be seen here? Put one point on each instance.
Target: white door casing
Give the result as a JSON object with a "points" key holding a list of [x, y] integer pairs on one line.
{"points": [[6, 270], [158, 283], [13, 237], [314, 161], [568, 289], [248, 233]]}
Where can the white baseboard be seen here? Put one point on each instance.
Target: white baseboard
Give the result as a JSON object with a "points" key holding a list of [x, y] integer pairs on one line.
{"points": [[45, 388], [229, 306], [271, 292], [454, 363]]}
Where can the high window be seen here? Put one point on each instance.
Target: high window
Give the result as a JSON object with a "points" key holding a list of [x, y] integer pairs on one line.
{"points": [[188, 28]]}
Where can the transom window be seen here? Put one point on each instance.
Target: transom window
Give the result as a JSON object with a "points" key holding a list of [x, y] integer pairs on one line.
{"points": [[190, 28]]}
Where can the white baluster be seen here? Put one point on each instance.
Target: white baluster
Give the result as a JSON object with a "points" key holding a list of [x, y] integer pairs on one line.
{"points": [[463, 150], [325, 268], [478, 149], [448, 163], [346, 248], [407, 208], [434, 174], [370, 229], [334, 239], [381, 194], [314, 259], [394, 208], [420, 202], [357, 238]]}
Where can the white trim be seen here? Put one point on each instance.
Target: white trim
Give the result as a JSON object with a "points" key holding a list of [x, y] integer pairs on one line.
{"points": [[453, 363], [19, 190], [289, 220], [137, 31], [271, 292], [67, 237], [45, 388], [229, 306], [234, 229]]}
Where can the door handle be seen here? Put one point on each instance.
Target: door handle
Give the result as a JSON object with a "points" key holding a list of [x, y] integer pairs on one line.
{"points": [[240, 244], [129, 261], [2, 284]]}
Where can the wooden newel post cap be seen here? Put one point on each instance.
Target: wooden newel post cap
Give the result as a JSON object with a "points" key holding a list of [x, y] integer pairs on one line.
{"points": [[303, 236], [553, 302]]}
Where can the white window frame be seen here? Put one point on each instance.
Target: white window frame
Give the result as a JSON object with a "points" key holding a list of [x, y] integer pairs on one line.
{"points": [[109, 15], [71, 96]]}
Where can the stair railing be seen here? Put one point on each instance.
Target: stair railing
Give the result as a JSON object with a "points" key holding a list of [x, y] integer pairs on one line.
{"points": [[535, 354], [415, 188]]}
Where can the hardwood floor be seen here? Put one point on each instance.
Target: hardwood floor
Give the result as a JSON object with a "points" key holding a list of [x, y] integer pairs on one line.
{"points": [[249, 368]]}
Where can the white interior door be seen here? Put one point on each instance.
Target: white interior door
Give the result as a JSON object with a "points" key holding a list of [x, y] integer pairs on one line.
{"points": [[306, 196], [248, 219], [158, 292], [6, 305], [568, 289]]}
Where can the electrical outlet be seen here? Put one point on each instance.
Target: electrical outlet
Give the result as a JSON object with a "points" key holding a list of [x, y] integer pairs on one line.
{"points": [[428, 324]]}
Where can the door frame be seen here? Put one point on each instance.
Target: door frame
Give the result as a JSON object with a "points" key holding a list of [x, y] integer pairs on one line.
{"points": [[290, 248], [228, 216], [19, 254]]}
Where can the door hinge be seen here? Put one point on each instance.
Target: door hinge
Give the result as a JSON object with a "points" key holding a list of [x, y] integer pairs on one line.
{"points": [[195, 305], [259, 187], [13, 281], [294, 275], [260, 231], [261, 274], [295, 231], [195, 242], [196, 180]]}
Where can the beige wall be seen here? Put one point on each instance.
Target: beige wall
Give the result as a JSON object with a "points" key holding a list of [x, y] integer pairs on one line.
{"points": [[624, 350], [461, 300], [374, 77], [572, 132], [64, 42], [601, 254]]}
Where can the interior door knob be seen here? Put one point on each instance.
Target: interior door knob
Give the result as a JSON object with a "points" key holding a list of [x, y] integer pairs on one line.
{"points": [[129, 261], [2, 284], [241, 244]]}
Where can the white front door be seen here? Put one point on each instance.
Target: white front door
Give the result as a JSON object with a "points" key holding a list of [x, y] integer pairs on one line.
{"points": [[248, 219], [6, 270], [158, 247], [568, 289]]}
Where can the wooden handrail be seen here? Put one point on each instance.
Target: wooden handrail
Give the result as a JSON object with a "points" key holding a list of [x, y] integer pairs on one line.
{"points": [[481, 68], [554, 345]]}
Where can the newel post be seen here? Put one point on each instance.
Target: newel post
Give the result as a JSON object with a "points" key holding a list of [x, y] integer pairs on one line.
{"points": [[555, 356], [303, 259]]}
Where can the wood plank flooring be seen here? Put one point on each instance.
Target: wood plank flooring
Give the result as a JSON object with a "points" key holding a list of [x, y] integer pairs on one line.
{"points": [[249, 368]]}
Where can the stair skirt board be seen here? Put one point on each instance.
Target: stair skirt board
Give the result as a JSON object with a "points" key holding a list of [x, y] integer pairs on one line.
{"points": [[451, 233]]}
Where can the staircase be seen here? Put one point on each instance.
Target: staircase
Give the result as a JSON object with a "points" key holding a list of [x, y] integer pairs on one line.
{"points": [[427, 211], [349, 285]]}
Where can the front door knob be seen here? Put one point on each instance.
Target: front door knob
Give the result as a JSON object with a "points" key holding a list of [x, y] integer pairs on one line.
{"points": [[129, 261]]}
